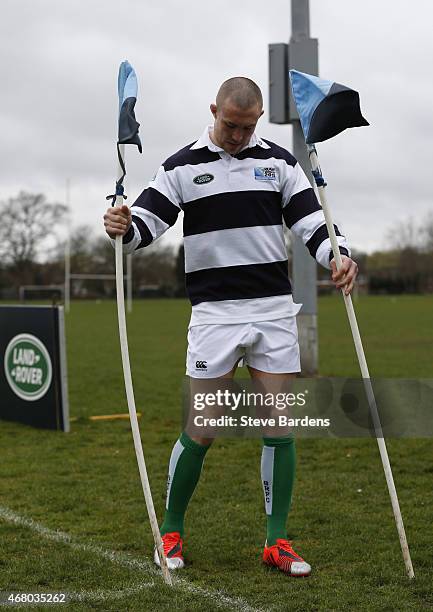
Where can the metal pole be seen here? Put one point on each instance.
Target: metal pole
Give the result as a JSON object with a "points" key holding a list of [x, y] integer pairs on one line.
{"points": [[300, 20], [68, 252], [304, 268]]}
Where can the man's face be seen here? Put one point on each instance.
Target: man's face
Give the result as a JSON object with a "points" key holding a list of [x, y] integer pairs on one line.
{"points": [[233, 126]]}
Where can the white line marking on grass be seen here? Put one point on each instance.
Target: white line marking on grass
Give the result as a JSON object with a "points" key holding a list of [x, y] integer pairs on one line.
{"points": [[219, 598], [108, 595]]}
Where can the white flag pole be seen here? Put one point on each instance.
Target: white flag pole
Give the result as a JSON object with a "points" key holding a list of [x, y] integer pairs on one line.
{"points": [[130, 394], [314, 160]]}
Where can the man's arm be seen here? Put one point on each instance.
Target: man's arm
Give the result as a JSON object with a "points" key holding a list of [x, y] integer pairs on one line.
{"points": [[153, 212], [304, 216]]}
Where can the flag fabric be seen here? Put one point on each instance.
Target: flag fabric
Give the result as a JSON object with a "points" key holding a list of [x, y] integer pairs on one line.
{"points": [[127, 89], [325, 108]]}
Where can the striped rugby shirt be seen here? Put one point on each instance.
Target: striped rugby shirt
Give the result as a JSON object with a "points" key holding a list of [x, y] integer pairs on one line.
{"points": [[236, 267]]}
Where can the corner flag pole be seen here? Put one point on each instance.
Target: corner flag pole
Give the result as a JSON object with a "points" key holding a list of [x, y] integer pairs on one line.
{"points": [[128, 134], [325, 109]]}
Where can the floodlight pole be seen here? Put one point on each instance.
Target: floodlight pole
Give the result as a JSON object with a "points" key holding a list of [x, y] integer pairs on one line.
{"points": [[303, 50], [301, 54], [300, 19]]}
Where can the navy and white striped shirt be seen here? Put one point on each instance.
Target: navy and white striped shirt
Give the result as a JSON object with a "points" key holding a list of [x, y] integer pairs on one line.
{"points": [[236, 265]]}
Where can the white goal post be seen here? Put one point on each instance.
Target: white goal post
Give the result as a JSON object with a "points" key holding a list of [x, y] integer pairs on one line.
{"points": [[71, 277]]}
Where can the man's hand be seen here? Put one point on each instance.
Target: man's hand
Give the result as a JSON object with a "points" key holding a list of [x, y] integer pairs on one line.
{"points": [[346, 275], [117, 220]]}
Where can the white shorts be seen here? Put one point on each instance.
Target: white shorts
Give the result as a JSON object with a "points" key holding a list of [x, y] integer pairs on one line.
{"points": [[269, 346]]}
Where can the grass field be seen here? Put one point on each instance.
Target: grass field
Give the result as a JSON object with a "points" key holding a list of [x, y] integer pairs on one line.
{"points": [[72, 514]]}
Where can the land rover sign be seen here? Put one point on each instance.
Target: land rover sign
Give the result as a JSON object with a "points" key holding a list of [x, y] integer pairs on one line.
{"points": [[33, 376], [28, 367]]}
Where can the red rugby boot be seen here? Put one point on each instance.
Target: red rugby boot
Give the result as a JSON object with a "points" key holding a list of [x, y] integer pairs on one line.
{"points": [[172, 543], [282, 556]]}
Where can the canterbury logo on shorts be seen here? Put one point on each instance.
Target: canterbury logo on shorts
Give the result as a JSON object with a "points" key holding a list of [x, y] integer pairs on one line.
{"points": [[201, 365]]}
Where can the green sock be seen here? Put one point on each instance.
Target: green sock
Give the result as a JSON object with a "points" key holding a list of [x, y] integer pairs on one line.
{"points": [[184, 470], [278, 476]]}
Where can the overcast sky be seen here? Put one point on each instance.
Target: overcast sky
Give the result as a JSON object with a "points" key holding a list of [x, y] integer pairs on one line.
{"points": [[58, 105]]}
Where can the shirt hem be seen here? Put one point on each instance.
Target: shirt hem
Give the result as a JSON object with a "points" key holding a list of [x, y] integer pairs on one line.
{"points": [[256, 318]]}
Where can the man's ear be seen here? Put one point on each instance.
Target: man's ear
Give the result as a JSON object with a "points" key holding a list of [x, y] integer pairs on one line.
{"points": [[213, 110]]}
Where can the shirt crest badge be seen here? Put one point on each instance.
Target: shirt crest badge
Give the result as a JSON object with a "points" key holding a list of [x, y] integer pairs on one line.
{"points": [[265, 174]]}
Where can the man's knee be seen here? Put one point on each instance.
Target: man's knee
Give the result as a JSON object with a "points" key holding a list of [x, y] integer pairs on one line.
{"points": [[202, 441]]}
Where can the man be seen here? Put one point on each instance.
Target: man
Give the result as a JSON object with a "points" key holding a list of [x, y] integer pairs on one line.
{"points": [[235, 190]]}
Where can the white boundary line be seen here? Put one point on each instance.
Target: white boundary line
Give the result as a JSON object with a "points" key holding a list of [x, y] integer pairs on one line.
{"points": [[218, 598], [107, 595]]}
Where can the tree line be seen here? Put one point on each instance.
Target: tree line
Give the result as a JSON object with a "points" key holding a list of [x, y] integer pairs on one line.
{"points": [[32, 251]]}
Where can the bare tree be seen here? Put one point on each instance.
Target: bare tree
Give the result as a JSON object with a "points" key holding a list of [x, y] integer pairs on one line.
{"points": [[92, 253], [427, 233], [27, 220], [404, 235], [155, 265]]}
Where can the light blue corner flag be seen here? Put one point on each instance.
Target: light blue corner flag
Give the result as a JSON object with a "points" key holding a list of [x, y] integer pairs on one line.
{"points": [[127, 88], [128, 125], [325, 108]]}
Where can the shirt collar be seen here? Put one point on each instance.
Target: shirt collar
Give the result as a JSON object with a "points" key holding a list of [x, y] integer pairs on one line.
{"points": [[205, 141]]}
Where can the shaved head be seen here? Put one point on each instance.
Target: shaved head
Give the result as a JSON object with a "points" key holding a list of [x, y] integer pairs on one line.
{"points": [[239, 105], [241, 92]]}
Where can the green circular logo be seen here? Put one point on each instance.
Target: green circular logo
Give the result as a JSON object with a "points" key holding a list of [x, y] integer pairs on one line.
{"points": [[28, 367]]}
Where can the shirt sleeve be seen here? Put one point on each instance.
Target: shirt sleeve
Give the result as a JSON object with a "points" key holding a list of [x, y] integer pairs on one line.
{"points": [[303, 214], [153, 212]]}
